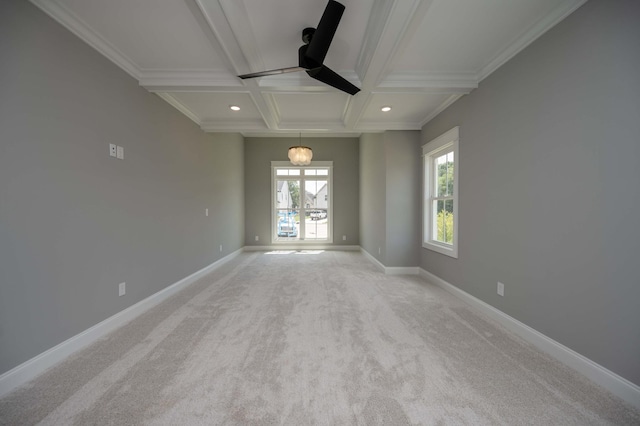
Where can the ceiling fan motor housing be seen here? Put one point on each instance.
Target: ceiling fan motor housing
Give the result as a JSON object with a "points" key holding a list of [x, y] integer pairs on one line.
{"points": [[307, 34], [312, 53]]}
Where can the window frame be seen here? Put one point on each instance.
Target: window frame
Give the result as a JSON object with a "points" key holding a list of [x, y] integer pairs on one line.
{"points": [[275, 165], [445, 143]]}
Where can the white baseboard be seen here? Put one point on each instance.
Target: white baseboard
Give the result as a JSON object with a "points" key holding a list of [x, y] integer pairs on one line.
{"points": [[38, 364], [373, 259], [609, 380], [391, 270], [275, 247], [401, 270]]}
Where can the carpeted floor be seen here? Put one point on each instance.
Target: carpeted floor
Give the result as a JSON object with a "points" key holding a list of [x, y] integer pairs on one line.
{"points": [[311, 339]]}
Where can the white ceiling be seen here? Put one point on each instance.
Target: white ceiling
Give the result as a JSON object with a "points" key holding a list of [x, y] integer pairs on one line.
{"points": [[417, 56]]}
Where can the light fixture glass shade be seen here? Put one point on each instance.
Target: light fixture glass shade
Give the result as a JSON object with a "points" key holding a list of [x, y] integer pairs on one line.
{"points": [[300, 155]]}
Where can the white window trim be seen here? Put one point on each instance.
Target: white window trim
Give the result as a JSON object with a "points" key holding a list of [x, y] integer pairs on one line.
{"points": [[313, 165], [449, 139]]}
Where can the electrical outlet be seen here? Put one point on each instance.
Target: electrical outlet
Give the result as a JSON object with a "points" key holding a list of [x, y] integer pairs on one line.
{"points": [[220, 247], [257, 238], [500, 288], [120, 153], [344, 238], [206, 212], [112, 150], [379, 251], [122, 289]]}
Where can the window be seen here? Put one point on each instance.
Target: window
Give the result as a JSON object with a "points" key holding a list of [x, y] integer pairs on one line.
{"points": [[301, 202], [440, 210]]}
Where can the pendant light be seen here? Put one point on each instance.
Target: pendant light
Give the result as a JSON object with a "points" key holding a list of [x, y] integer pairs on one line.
{"points": [[300, 155]]}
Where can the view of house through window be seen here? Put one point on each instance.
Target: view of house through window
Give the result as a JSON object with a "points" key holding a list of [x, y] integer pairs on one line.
{"points": [[302, 202]]}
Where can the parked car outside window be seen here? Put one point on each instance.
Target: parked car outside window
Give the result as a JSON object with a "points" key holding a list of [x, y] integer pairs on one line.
{"points": [[287, 225], [318, 214]]}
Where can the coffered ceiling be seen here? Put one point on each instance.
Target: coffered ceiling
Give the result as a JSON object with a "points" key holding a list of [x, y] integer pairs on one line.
{"points": [[417, 56]]}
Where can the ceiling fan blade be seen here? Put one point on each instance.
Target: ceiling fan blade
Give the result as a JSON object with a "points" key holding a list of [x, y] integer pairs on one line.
{"points": [[271, 72], [325, 31], [328, 76]]}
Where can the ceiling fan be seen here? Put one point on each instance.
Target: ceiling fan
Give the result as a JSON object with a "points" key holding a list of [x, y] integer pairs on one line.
{"points": [[312, 53]]}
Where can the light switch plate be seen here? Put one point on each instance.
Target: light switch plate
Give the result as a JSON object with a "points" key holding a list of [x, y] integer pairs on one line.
{"points": [[120, 153]]}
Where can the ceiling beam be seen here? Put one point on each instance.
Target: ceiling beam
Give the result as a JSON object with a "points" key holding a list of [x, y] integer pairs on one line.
{"points": [[375, 28], [213, 22], [218, 20], [391, 27], [239, 30], [401, 19]]}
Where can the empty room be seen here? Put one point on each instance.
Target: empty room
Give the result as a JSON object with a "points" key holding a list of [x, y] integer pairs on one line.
{"points": [[319, 212]]}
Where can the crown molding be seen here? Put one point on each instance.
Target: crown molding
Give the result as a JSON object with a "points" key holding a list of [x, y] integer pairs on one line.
{"points": [[462, 82], [305, 134], [213, 126], [367, 127], [444, 105], [529, 36], [179, 106], [313, 126], [156, 80], [273, 105], [391, 25], [196, 89], [78, 27]]}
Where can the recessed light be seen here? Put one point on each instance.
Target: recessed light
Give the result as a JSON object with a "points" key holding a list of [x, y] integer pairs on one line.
{"points": [[385, 109], [234, 107]]}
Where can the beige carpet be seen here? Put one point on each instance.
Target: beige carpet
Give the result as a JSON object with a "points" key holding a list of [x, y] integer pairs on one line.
{"points": [[311, 339]]}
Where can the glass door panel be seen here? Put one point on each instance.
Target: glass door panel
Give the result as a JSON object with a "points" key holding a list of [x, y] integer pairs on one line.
{"points": [[287, 204], [317, 203]]}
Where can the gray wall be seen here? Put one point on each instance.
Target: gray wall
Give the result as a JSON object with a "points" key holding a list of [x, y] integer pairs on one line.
{"points": [[373, 196], [403, 201], [390, 182], [75, 222], [259, 152], [549, 186]]}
